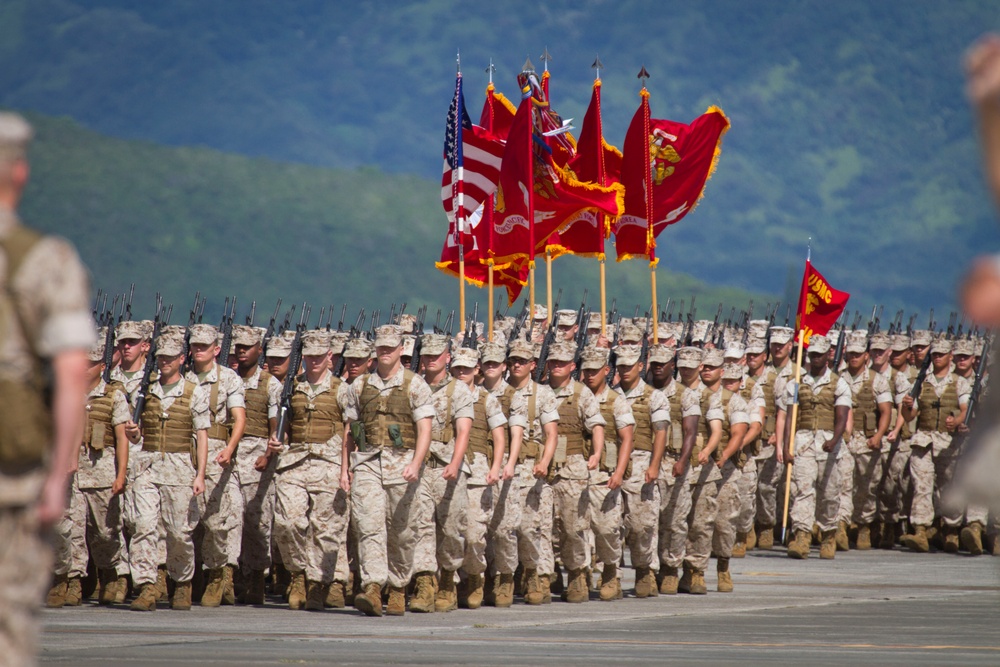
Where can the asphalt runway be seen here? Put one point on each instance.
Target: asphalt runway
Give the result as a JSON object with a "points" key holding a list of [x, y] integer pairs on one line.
{"points": [[863, 608]]}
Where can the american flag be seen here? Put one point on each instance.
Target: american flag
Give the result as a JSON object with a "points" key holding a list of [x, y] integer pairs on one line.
{"points": [[472, 159]]}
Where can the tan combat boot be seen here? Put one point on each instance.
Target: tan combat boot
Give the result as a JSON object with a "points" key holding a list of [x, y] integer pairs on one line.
{"points": [[577, 590], [668, 584], [972, 538], [840, 539], [611, 587], [684, 585], [447, 595], [765, 537], [751, 539], [864, 542], [297, 591], [397, 602], [370, 602], [424, 592], [212, 597], [503, 590], [474, 591], [228, 587], [57, 594], [121, 589], [161, 584], [536, 588], [107, 582], [740, 546], [316, 592], [725, 579], [828, 547], [254, 593], [918, 540], [800, 545], [642, 582], [698, 582], [182, 596], [146, 601], [74, 592], [950, 539], [336, 598]]}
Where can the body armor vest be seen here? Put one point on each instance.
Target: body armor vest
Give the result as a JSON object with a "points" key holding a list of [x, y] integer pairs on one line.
{"points": [[380, 410], [257, 425], [446, 432], [479, 434], [570, 424], [770, 410], [99, 433], [217, 431], [751, 447], [316, 420], [609, 459], [933, 409], [816, 411], [865, 408], [727, 433], [906, 432], [530, 449], [675, 438], [172, 431]]}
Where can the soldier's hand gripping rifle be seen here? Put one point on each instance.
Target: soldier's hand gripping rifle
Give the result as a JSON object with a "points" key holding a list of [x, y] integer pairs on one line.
{"points": [[295, 359], [226, 327], [550, 337], [147, 369], [918, 382]]}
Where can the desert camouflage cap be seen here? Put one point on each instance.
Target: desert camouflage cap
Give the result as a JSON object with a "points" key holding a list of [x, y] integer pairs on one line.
{"points": [[131, 331], [170, 343], [732, 372], [921, 337], [521, 349], [204, 334], [504, 325], [96, 353], [857, 341], [409, 344], [280, 346], [594, 357], [541, 313], [433, 344], [941, 346], [781, 335], [245, 335], [562, 350], [819, 344], [15, 136], [628, 355], [690, 357], [629, 334], [713, 357], [315, 342], [880, 341], [388, 335], [965, 346], [757, 329], [642, 324], [661, 354], [594, 322], [338, 339], [699, 331], [734, 351], [407, 323], [495, 351], [900, 342], [464, 357], [565, 318], [357, 348]]}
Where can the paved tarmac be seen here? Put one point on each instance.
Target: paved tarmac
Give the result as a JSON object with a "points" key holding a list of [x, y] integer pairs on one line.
{"points": [[863, 608]]}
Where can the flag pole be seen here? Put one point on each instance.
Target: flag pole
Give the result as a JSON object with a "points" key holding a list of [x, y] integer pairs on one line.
{"points": [[648, 178], [548, 281], [601, 217], [791, 437], [460, 202], [489, 329], [488, 210]]}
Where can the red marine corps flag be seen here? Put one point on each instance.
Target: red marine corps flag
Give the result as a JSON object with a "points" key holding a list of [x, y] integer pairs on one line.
{"points": [[819, 304]]}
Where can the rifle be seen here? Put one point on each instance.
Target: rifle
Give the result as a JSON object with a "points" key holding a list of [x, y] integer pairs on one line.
{"points": [[670, 311], [449, 323], [147, 369], [288, 319], [550, 336], [689, 329], [437, 322], [127, 306], [788, 312], [470, 340], [519, 323], [418, 342], [644, 353], [977, 386], [580, 339], [96, 310], [343, 314], [838, 354], [918, 382], [961, 325], [253, 313], [909, 327], [269, 334], [613, 357], [950, 335], [329, 318], [192, 320], [295, 359], [226, 326], [109, 348]]}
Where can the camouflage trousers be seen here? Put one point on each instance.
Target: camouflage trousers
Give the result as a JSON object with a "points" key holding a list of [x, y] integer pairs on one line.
{"points": [[178, 510], [128, 511], [862, 468], [311, 512], [386, 517], [895, 489], [257, 491], [642, 513], [444, 521], [93, 514], [727, 512], [534, 535], [501, 537], [606, 513], [932, 465], [701, 523], [25, 566], [571, 504], [479, 514], [222, 521], [815, 483], [770, 475], [675, 506], [748, 496]]}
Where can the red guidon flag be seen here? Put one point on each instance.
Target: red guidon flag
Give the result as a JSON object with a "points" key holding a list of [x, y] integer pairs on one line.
{"points": [[819, 304], [664, 169]]}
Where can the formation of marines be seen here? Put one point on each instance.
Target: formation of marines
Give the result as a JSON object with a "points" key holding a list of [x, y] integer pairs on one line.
{"points": [[394, 469]]}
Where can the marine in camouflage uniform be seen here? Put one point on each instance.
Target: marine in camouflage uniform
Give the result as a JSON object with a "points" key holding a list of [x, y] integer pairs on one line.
{"points": [[895, 490], [771, 468], [753, 393]]}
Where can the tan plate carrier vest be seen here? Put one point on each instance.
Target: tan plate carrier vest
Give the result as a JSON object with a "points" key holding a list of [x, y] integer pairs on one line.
{"points": [[257, 425], [608, 463], [570, 426], [704, 434], [380, 410], [316, 420], [865, 408], [934, 410], [816, 411], [531, 449], [170, 432], [480, 441], [217, 431], [675, 437], [727, 432], [99, 411], [751, 447], [770, 410]]}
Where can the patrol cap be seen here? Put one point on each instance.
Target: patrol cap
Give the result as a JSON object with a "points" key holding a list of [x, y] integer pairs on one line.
{"points": [[900, 342], [921, 337], [734, 351], [660, 354], [756, 346], [857, 341], [689, 357], [732, 372], [594, 322], [503, 325], [280, 346], [131, 331], [629, 334], [880, 341], [941, 346], [204, 334], [819, 344], [499, 338], [315, 342], [407, 323], [464, 357], [980, 345], [541, 313], [964, 346], [713, 357], [409, 344], [337, 341], [699, 330], [245, 335], [628, 355], [170, 343], [147, 329], [594, 357], [96, 353], [495, 351], [781, 335], [675, 329], [562, 351], [642, 324], [757, 329], [433, 344], [15, 135], [388, 335], [357, 348], [566, 318], [521, 349]]}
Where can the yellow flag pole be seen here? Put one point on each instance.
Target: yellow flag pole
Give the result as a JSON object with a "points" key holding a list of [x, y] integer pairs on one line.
{"points": [[652, 280], [604, 299], [791, 437], [461, 290], [548, 281], [531, 297], [490, 326]]}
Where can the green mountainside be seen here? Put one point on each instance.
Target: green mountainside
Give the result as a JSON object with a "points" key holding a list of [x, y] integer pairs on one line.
{"points": [[181, 220], [849, 122]]}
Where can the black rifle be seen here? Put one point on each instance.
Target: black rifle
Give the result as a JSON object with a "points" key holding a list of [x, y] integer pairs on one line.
{"points": [[918, 382], [690, 322], [343, 314], [226, 327], [269, 333], [147, 369], [109, 348], [550, 336], [192, 320], [977, 386], [613, 357], [950, 335], [253, 313], [470, 340], [582, 317], [838, 353], [519, 323], [418, 342], [644, 353], [295, 359], [127, 309]]}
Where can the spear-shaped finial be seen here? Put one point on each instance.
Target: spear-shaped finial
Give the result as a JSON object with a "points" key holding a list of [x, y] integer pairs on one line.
{"points": [[527, 66], [809, 249], [643, 75], [598, 65], [489, 70], [545, 58], [458, 62]]}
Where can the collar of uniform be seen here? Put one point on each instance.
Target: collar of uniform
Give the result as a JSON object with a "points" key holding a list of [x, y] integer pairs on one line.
{"points": [[565, 390], [253, 381], [936, 381], [98, 390], [8, 220], [780, 372], [435, 388], [306, 387], [211, 376], [395, 380], [809, 378], [500, 388], [606, 392], [861, 377], [157, 389], [637, 390]]}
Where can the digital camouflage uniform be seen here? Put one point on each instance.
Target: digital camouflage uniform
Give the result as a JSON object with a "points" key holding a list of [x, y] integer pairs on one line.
{"points": [[501, 539], [704, 483], [858, 498], [482, 498], [606, 506], [675, 492], [737, 411]]}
